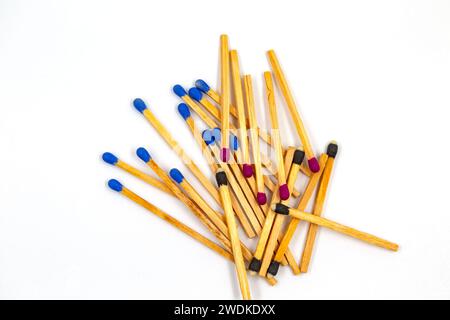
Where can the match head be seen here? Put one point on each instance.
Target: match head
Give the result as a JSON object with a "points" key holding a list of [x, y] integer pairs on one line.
{"points": [[225, 154], [299, 156], [313, 164], [234, 142], [247, 170], [143, 154], [195, 94], [261, 198], [255, 265], [273, 268], [217, 133], [208, 137], [139, 104], [108, 157], [176, 175], [202, 85], [221, 178], [115, 185], [184, 111], [280, 209], [179, 90], [332, 149], [284, 192]]}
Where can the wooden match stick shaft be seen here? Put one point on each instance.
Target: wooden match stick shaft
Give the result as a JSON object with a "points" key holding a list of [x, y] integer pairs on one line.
{"points": [[318, 206], [207, 153], [279, 75], [276, 139], [177, 224], [234, 237], [363, 236], [253, 133], [279, 219], [292, 226], [225, 91], [239, 98], [143, 176]]}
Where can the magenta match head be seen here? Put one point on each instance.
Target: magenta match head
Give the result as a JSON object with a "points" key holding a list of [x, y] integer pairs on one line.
{"points": [[284, 192], [313, 164], [225, 154], [247, 170], [261, 198]]}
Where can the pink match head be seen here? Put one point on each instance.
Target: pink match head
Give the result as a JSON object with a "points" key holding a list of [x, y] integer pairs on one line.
{"points": [[261, 198], [225, 154], [284, 192], [247, 170], [313, 164]]}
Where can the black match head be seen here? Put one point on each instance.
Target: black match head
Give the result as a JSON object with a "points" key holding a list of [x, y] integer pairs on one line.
{"points": [[254, 265], [332, 149], [299, 155], [281, 209], [273, 268], [221, 178]]}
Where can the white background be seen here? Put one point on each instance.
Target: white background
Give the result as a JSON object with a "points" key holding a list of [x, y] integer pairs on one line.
{"points": [[373, 75]]}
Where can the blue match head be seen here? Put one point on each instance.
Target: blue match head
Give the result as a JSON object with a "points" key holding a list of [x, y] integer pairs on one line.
{"points": [[143, 154], [179, 90], [208, 137], [176, 175], [195, 94], [217, 134], [184, 111], [234, 143], [202, 85], [115, 185], [108, 157], [139, 104]]}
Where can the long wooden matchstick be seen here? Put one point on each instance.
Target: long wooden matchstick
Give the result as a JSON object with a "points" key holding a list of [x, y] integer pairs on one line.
{"points": [[184, 111], [261, 196], [363, 236], [255, 264], [276, 139], [234, 237], [279, 219], [281, 79], [292, 226], [225, 96], [205, 88], [117, 186], [318, 206], [247, 169], [113, 160]]}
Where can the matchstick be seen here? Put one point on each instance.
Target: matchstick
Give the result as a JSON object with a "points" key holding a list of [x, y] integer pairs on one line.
{"points": [[256, 263], [109, 158], [279, 219], [276, 139], [205, 88], [184, 111], [371, 239], [225, 96], [281, 79], [261, 196], [332, 150], [292, 226], [117, 186], [247, 168], [140, 105], [234, 237]]}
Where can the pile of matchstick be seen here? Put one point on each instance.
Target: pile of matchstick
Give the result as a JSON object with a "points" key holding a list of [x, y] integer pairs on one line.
{"points": [[245, 177]]}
